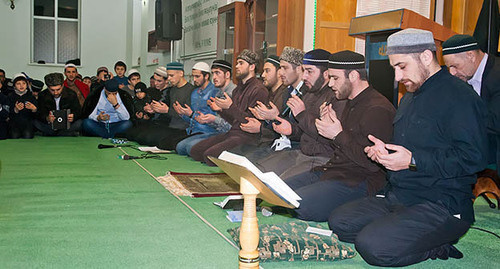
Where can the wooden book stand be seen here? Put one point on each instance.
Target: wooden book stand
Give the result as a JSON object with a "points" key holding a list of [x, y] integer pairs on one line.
{"points": [[250, 188]]}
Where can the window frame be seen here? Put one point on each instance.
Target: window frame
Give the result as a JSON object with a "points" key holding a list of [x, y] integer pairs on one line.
{"points": [[55, 19]]}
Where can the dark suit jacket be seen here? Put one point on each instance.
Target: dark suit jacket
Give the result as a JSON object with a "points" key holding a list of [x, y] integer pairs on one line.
{"points": [[490, 92]]}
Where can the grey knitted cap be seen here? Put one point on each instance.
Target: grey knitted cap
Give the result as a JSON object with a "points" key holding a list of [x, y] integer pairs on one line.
{"points": [[410, 40], [292, 55]]}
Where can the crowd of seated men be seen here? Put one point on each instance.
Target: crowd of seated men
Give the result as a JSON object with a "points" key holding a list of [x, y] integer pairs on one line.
{"points": [[396, 183]]}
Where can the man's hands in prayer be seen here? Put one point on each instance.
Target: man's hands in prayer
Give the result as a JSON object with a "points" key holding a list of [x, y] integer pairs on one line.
{"points": [[30, 106], [141, 115], [205, 118], [212, 105], [159, 107], [149, 109], [18, 107], [296, 105], [398, 160], [328, 125], [284, 128], [223, 103], [252, 126], [262, 112], [186, 110]]}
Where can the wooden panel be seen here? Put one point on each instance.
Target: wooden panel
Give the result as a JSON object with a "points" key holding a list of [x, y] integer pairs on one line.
{"points": [[240, 33], [290, 24], [332, 16], [464, 14], [414, 20], [473, 10]]}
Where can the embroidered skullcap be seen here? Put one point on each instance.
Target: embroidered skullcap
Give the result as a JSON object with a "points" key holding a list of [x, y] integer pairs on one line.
{"points": [[222, 64], [346, 59], [274, 60], [36, 85], [175, 66], [459, 43], [317, 57]]}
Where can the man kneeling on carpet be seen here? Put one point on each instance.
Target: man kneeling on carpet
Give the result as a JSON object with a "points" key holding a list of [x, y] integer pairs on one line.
{"points": [[108, 111], [349, 174], [439, 144]]}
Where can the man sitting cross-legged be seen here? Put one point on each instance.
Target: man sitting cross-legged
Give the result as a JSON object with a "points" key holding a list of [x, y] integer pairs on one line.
{"points": [[221, 72], [57, 97], [205, 89], [108, 111], [246, 94]]}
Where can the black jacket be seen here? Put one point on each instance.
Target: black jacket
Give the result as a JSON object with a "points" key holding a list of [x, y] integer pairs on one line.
{"points": [[490, 92], [93, 99], [25, 113], [4, 108], [69, 100]]}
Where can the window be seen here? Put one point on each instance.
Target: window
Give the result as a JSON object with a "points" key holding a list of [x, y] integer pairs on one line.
{"points": [[56, 31]]}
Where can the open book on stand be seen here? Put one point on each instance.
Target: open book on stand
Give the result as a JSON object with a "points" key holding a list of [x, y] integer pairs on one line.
{"points": [[269, 179]]}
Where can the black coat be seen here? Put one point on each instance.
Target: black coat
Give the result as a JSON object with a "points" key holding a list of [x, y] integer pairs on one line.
{"points": [[4, 108], [25, 113], [69, 100], [490, 92]]}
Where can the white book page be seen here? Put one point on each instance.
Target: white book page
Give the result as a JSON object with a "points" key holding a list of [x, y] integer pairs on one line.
{"points": [[270, 179]]}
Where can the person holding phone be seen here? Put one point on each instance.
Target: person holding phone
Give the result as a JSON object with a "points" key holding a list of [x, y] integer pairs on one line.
{"points": [[23, 109]]}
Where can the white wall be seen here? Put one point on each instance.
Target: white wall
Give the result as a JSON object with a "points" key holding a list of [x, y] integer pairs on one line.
{"points": [[103, 37], [108, 34]]}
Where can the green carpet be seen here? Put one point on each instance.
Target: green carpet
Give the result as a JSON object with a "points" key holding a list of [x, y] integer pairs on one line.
{"points": [[66, 204]]}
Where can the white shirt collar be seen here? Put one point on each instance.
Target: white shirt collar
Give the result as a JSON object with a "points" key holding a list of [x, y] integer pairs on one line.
{"points": [[476, 80]]}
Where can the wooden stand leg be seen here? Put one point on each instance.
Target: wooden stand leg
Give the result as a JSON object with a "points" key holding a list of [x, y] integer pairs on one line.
{"points": [[249, 230]]}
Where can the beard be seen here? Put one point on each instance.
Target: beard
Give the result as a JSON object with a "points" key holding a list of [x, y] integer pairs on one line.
{"points": [[318, 85], [242, 75], [421, 77], [344, 91], [198, 84]]}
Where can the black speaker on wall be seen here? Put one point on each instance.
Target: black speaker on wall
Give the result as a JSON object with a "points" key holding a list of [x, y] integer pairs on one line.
{"points": [[168, 19]]}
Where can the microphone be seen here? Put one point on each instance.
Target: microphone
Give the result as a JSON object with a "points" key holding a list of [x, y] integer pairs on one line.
{"points": [[102, 146], [128, 157]]}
